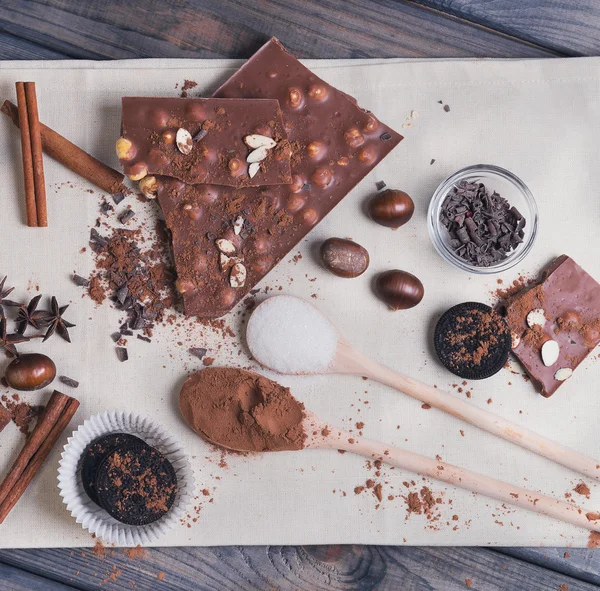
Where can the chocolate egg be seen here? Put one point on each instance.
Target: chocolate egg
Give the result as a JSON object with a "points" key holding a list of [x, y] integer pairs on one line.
{"points": [[30, 371], [391, 208], [400, 290]]}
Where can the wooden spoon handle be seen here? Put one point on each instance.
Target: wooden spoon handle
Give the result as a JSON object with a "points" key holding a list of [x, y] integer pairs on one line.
{"points": [[490, 487], [361, 365]]}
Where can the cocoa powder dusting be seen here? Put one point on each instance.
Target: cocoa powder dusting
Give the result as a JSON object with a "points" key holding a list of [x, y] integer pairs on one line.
{"points": [[242, 410], [22, 413]]}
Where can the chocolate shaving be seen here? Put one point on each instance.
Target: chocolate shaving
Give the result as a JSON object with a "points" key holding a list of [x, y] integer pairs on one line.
{"points": [[79, 280], [126, 217], [483, 227], [385, 136], [198, 352], [118, 197], [69, 381], [145, 339], [122, 354]]}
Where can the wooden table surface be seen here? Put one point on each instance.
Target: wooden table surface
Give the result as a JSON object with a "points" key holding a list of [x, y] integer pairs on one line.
{"points": [[113, 29]]}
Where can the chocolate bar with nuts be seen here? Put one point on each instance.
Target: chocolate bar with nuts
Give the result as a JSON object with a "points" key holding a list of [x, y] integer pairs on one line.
{"points": [[225, 241], [555, 324], [239, 143]]}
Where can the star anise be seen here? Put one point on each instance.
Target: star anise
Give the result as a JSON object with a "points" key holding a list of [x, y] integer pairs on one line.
{"points": [[56, 322], [8, 341], [3, 295], [31, 315]]}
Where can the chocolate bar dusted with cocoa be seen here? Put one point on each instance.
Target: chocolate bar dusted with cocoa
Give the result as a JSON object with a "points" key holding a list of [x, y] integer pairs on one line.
{"points": [[225, 241], [232, 142], [555, 324]]}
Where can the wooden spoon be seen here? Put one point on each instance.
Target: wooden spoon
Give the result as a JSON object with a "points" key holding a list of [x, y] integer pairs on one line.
{"points": [[320, 435], [286, 334]]}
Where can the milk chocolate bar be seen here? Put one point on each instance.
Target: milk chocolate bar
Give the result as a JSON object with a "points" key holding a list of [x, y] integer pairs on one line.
{"points": [[225, 241], [204, 141], [564, 307]]}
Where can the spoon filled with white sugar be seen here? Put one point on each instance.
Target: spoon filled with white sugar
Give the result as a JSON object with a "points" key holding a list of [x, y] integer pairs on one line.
{"points": [[291, 336]]}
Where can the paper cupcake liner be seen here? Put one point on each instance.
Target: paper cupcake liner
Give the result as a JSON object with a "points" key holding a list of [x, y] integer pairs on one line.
{"points": [[94, 518]]}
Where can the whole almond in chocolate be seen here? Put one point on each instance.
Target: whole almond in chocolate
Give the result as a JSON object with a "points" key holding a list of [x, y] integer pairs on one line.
{"points": [[391, 208], [344, 258]]}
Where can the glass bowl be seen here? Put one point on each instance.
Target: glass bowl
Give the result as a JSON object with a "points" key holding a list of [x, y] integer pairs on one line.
{"points": [[509, 186]]}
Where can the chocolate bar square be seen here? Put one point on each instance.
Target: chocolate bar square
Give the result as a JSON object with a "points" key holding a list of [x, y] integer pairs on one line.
{"points": [[204, 140], [334, 145], [565, 307]]}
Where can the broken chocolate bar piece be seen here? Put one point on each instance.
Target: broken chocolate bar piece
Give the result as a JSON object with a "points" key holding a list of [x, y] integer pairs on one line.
{"points": [[563, 307], [232, 142], [225, 241]]}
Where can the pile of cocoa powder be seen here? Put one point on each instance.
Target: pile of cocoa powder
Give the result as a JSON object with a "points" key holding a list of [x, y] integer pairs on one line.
{"points": [[242, 410]]}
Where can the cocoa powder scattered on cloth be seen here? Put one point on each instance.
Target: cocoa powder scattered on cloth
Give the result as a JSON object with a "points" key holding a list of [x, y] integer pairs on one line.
{"points": [[22, 413], [5, 417], [242, 410], [583, 489]]}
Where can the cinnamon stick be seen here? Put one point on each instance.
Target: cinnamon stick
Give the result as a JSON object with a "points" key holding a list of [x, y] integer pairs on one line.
{"points": [[36, 150], [74, 158], [38, 459], [22, 121], [46, 421]]}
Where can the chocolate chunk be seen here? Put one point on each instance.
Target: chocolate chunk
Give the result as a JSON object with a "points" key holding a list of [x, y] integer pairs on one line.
{"points": [[224, 138], [281, 215], [472, 341], [122, 354], [380, 185], [116, 336], [385, 136], [136, 484], [69, 381]]}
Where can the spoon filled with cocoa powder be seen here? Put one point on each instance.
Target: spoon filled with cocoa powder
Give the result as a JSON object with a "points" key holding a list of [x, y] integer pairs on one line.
{"points": [[244, 411]]}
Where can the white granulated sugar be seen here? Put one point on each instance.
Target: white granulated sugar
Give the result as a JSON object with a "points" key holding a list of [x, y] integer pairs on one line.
{"points": [[289, 335]]}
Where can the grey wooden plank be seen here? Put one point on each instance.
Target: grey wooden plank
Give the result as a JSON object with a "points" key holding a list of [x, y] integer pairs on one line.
{"points": [[566, 26], [15, 579], [229, 28], [14, 48], [316, 568], [581, 563]]}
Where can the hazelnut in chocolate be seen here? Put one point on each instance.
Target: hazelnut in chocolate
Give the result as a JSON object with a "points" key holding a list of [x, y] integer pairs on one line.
{"points": [[334, 145], [231, 142]]}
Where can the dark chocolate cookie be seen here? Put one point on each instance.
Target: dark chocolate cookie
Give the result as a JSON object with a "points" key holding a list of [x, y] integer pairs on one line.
{"points": [[136, 484], [472, 341], [95, 452]]}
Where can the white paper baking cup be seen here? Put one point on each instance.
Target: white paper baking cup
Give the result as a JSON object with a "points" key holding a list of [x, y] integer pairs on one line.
{"points": [[94, 518]]}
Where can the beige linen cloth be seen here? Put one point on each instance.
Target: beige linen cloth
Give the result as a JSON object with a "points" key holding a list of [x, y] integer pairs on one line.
{"points": [[539, 119]]}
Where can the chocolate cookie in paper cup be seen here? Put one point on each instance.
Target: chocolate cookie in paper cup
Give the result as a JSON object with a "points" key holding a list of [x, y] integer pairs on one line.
{"points": [[124, 478]]}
